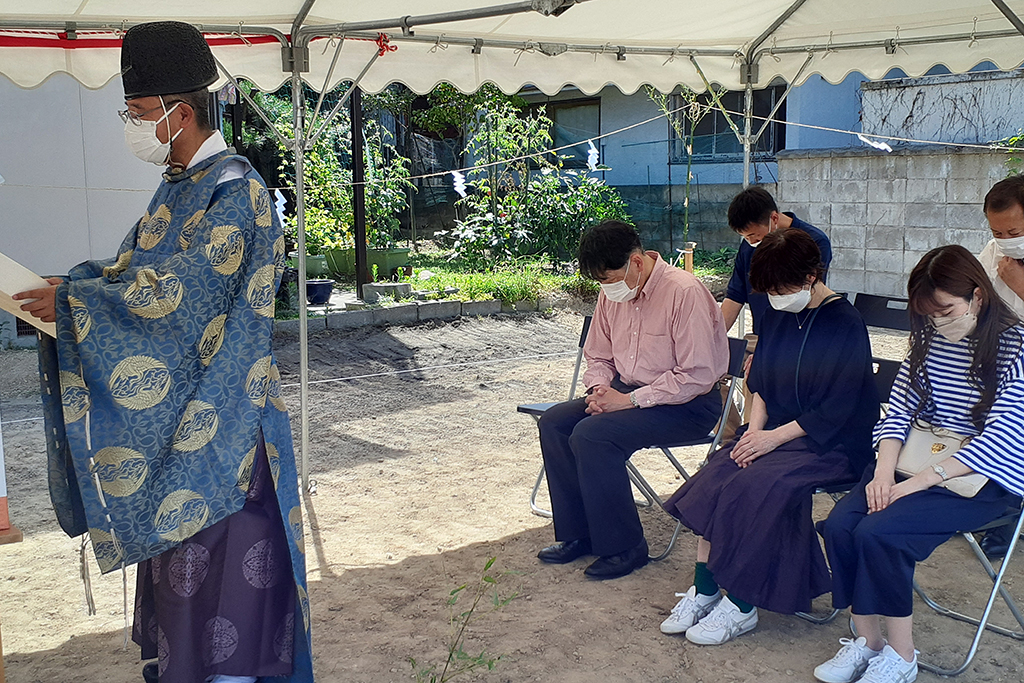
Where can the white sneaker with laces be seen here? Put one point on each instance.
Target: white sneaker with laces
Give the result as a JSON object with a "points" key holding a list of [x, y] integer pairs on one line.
{"points": [[849, 663], [724, 623], [692, 608], [889, 667]]}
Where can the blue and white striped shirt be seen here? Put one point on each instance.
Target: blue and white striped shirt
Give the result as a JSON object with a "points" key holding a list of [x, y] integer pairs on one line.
{"points": [[998, 450]]}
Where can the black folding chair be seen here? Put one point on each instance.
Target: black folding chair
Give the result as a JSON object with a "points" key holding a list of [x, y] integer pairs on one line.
{"points": [[883, 311]]}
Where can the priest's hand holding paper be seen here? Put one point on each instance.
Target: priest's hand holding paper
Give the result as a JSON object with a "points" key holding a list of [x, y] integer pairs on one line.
{"points": [[41, 301]]}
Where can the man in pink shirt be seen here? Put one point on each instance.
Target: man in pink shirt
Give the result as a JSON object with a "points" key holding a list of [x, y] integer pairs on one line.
{"points": [[655, 352]]}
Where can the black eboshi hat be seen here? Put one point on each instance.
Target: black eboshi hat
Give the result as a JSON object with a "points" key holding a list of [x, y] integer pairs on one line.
{"points": [[165, 58]]}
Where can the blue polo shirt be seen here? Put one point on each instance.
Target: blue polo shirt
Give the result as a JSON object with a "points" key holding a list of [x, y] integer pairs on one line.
{"points": [[739, 284]]}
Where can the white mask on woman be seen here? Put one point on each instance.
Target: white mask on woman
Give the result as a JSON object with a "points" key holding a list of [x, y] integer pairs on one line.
{"points": [[141, 138], [790, 303], [1012, 246], [955, 329], [620, 291]]}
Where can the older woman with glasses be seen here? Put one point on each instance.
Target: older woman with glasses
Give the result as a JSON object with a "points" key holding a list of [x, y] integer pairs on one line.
{"points": [[814, 403]]}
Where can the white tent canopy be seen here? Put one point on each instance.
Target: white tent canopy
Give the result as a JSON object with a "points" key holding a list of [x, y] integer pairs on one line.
{"points": [[592, 44], [738, 44]]}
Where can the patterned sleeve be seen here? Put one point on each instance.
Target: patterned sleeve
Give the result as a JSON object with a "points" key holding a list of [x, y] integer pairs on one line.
{"points": [[998, 452], [903, 401]]}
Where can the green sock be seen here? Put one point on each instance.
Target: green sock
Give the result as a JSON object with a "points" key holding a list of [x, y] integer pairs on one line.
{"points": [[704, 580], [745, 607]]}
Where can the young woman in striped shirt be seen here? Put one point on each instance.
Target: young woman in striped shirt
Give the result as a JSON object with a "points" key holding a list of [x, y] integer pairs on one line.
{"points": [[965, 373]]}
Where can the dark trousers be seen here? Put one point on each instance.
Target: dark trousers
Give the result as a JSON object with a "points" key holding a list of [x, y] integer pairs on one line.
{"points": [[873, 556], [585, 459]]}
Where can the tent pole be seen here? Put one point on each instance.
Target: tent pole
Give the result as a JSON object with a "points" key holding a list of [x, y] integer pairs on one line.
{"points": [[1010, 15], [358, 188], [299, 147], [748, 112]]}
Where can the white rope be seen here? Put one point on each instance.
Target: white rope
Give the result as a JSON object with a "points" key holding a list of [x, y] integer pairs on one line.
{"points": [[27, 419], [433, 367]]}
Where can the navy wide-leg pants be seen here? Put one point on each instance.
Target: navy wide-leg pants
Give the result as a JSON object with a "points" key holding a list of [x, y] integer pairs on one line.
{"points": [[872, 556], [585, 459]]}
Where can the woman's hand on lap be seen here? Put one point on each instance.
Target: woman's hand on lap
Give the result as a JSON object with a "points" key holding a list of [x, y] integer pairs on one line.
{"points": [[752, 445], [878, 492]]}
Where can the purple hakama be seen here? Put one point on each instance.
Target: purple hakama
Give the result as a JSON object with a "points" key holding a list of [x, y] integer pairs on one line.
{"points": [[223, 602]]}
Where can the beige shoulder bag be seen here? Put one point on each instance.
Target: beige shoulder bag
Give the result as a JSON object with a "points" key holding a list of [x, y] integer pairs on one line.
{"points": [[926, 446]]}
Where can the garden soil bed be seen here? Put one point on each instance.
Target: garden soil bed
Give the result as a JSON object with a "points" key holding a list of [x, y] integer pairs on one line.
{"points": [[420, 478]]}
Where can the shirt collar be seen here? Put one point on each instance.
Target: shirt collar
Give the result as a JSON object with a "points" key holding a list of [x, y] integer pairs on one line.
{"points": [[657, 273], [212, 145]]}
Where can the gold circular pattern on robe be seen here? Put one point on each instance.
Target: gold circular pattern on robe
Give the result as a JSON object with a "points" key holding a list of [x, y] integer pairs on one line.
{"points": [[74, 396], [139, 382], [279, 261], [153, 296], [295, 522], [121, 470], [181, 514], [260, 203], [197, 427], [225, 249], [245, 469], [213, 337], [256, 382], [152, 231], [81, 321], [124, 259], [107, 554], [260, 291], [274, 388], [274, 460], [188, 231]]}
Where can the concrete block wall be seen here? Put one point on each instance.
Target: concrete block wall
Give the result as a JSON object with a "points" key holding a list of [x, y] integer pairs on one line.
{"points": [[883, 211]]}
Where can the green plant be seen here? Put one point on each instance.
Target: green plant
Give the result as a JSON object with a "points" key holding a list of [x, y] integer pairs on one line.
{"points": [[722, 259], [1014, 162], [387, 179], [459, 661]]}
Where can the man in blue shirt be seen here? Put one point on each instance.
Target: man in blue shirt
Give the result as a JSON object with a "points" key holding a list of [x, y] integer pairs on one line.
{"points": [[753, 214]]}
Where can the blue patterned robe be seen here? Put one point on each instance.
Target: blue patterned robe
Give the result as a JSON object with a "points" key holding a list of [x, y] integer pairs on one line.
{"points": [[166, 375]]}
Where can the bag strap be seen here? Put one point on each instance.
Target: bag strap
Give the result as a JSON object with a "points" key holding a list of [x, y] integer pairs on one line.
{"points": [[800, 355]]}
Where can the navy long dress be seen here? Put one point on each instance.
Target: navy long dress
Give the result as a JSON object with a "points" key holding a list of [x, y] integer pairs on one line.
{"points": [[758, 520]]}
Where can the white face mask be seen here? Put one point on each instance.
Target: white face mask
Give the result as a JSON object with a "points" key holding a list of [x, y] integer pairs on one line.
{"points": [[955, 329], [790, 303], [1012, 246], [143, 142], [620, 291]]}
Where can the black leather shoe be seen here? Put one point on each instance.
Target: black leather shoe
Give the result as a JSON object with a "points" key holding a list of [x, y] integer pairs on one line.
{"points": [[996, 541], [614, 566], [565, 552], [151, 673]]}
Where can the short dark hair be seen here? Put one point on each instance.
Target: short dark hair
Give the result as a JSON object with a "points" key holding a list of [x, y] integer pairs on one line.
{"points": [[199, 100], [784, 259], [1005, 194], [753, 205], [607, 246]]}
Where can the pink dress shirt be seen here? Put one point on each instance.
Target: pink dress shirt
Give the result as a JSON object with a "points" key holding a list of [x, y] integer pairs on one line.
{"points": [[670, 339]]}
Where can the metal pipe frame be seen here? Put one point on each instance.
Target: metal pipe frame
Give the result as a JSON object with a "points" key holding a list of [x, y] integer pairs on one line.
{"points": [[1010, 15], [287, 142], [341, 103], [785, 94], [226, 29]]}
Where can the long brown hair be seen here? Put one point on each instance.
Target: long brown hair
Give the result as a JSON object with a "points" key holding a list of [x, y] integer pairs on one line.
{"points": [[956, 271]]}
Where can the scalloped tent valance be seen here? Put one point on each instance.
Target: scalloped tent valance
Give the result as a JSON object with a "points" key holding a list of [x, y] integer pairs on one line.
{"points": [[590, 44]]}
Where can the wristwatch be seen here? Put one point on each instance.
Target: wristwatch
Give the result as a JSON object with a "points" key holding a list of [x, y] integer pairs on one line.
{"points": [[632, 399], [940, 470]]}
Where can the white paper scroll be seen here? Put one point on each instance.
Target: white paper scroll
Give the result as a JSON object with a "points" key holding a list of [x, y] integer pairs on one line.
{"points": [[15, 278]]}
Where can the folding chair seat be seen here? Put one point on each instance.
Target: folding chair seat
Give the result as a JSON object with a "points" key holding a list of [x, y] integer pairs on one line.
{"points": [[883, 311]]}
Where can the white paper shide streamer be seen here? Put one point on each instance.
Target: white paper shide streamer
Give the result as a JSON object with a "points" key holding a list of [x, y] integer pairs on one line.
{"points": [[592, 156], [459, 183], [877, 144]]}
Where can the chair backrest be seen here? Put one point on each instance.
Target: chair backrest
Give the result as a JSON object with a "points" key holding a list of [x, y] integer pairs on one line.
{"points": [[885, 374], [737, 354], [579, 357], [586, 329], [883, 311]]}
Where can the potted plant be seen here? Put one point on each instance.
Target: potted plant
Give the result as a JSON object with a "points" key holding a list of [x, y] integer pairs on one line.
{"points": [[387, 180]]}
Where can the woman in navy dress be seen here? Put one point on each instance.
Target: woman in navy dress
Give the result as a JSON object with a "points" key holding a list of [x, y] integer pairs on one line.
{"points": [[814, 404], [964, 373]]}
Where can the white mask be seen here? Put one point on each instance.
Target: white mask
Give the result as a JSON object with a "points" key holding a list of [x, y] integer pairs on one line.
{"points": [[955, 329], [143, 142], [1012, 246], [790, 303], [620, 291]]}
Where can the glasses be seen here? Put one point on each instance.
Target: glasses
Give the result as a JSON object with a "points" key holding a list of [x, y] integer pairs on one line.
{"points": [[128, 115]]}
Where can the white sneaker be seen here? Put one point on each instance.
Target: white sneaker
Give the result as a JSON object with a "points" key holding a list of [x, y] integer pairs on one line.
{"points": [[889, 667], [724, 623], [692, 608], [849, 663]]}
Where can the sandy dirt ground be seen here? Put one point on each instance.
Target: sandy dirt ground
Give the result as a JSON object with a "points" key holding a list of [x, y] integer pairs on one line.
{"points": [[421, 477]]}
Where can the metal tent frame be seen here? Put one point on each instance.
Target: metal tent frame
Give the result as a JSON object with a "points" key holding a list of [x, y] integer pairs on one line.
{"points": [[295, 61]]}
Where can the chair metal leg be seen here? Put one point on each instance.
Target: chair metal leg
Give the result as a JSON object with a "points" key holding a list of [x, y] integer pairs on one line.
{"points": [[982, 623], [675, 463], [645, 489], [536, 509], [648, 491], [815, 619]]}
